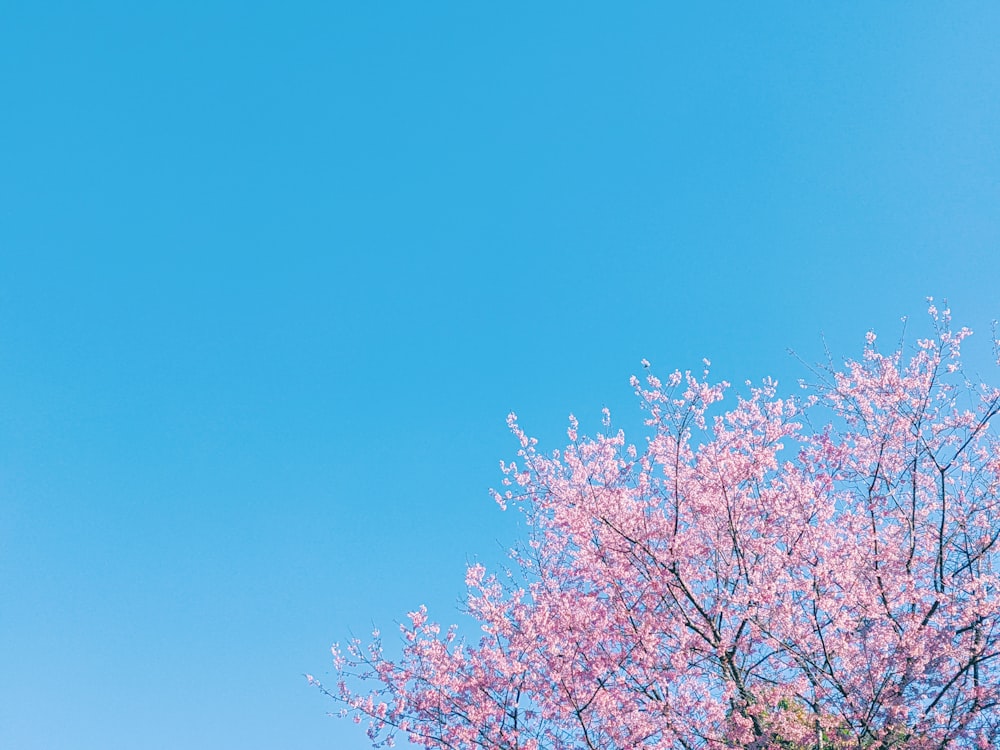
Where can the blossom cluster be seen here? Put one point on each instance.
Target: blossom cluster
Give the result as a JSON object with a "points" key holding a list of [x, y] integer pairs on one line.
{"points": [[816, 572]]}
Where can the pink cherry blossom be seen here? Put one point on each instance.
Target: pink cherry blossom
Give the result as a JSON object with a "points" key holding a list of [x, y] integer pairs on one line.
{"points": [[819, 572]]}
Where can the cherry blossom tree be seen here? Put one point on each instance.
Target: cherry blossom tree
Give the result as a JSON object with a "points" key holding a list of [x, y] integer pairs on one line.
{"points": [[809, 572]]}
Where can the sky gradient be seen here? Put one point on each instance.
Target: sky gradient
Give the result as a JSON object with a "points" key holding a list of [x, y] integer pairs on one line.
{"points": [[272, 278]]}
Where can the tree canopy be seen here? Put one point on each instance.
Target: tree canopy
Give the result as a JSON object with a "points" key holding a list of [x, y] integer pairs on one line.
{"points": [[760, 572]]}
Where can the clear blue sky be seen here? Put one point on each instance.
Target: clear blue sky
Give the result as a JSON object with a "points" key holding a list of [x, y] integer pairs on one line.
{"points": [[271, 277]]}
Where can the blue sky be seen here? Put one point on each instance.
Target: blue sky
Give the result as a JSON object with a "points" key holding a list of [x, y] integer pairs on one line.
{"points": [[272, 277]]}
